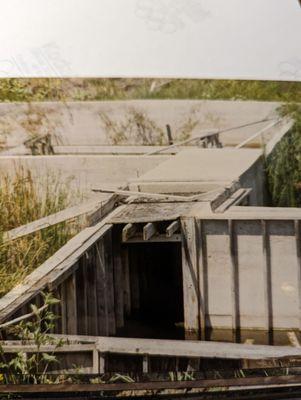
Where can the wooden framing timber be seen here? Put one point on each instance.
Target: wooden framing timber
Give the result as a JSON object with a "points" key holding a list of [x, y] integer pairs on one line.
{"points": [[211, 132], [156, 196], [91, 210], [183, 348], [155, 239], [149, 230], [128, 231], [261, 132], [172, 228], [233, 383], [235, 199], [190, 268]]}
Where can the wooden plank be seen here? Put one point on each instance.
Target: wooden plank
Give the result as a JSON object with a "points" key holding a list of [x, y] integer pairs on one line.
{"points": [[32, 348], [110, 282], [263, 382], [71, 304], [149, 230], [63, 298], [61, 272], [56, 309], [263, 130], [156, 196], [128, 231], [190, 266], [194, 349], [102, 363], [172, 228], [292, 337], [151, 212], [63, 261], [95, 361], [54, 219], [22, 317], [102, 211], [101, 285], [48, 274], [184, 348], [235, 199], [85, 317], [206, 133], [91, 292], [145, 364], [81, 304], [118, 278], [156, 239]]}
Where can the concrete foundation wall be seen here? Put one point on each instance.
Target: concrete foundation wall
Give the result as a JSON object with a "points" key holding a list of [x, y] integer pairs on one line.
{"points": [[254, 178], [250, 274], [83, 172], [80, 123]]}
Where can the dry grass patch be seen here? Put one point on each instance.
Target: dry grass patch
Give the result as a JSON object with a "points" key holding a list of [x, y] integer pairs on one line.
{"points": [[23, 200]]}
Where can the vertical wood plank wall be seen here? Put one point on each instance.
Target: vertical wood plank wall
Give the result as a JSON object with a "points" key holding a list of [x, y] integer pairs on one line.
{"points": [[92, 297]]}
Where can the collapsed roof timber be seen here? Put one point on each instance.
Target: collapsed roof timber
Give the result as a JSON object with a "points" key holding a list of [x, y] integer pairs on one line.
{"points": [[185, 251]]}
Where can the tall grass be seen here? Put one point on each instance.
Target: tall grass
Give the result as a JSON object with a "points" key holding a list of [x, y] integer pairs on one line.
{"points": [[45, 89], [23, 200], [283, 166]]}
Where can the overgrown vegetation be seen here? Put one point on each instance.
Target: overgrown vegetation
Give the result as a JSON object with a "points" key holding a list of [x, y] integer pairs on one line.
{"points": [[33, 367], [284, 165], [39, 89], [23, 200]]}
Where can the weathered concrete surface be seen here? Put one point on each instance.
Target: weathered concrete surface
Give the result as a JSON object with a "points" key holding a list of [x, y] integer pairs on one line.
{"points": [[84, 172], [80, 123], [264, 300], [202, 170]]}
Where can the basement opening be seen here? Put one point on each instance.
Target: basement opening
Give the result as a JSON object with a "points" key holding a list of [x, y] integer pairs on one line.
{"points": [[155, 286]]}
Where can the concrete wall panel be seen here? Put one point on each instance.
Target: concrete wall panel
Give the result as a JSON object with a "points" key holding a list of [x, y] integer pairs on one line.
{"points": [[266, 274], [218, 271]]}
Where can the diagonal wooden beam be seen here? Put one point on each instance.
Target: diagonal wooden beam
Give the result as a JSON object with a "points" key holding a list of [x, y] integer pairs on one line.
{"points": [[90, 208]]}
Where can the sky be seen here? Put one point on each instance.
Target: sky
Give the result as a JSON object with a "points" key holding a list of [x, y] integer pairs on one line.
{"points": [[233, 39]]}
